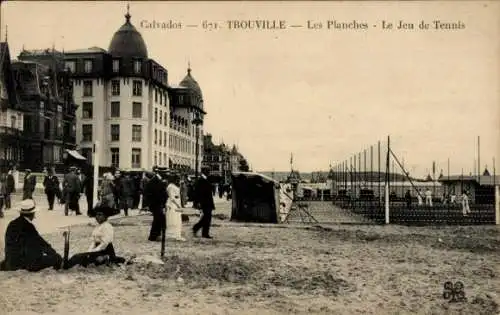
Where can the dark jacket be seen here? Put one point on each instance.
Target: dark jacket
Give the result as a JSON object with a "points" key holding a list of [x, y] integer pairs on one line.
{"points": [[29, 183], [11, 185], [155, 192], [24, 245], [88, 186], [127, 187], [203, 195], [72, 183], [51, 184]]}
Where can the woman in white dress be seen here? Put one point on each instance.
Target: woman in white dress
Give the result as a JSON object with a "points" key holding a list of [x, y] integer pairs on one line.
{"points": [[174, 210]]}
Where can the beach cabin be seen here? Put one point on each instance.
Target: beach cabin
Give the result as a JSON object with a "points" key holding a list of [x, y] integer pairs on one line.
{"points": [[255, 198]]}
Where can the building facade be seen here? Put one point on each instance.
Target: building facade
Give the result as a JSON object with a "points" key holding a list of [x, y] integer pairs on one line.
{"points": [[220, 160], [128, 106], [44, 88], [11, 115]]}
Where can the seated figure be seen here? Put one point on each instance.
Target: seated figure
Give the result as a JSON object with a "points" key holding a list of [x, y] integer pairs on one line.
{"points": [[24, 246], [101, 250]]}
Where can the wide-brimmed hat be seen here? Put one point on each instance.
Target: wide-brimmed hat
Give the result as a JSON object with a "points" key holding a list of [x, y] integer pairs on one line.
{"points": [[103, 209], [27, 206]]}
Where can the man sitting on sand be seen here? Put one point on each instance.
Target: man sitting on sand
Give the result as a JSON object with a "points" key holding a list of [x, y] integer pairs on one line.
{"points": [[24, 247], [101, 250]]}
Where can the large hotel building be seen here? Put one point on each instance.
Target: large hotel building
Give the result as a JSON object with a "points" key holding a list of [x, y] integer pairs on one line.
{"points": [[125, 102]]}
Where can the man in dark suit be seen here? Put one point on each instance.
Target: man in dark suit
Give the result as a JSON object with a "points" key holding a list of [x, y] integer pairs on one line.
{"points": [[24, 247], [204, 200], [88, 189], [29, 185], [155, 192], [11, 188], [72, 188], [51, 185]]}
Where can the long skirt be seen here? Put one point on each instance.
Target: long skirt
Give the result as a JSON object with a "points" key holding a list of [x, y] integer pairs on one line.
{"points": [[88, 258], [174, 223]]}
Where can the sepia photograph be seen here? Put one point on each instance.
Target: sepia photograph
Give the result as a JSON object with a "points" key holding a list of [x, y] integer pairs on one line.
{"points": [[249, 157]]}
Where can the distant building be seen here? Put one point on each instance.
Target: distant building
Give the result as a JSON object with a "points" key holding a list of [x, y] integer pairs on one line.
{"points": [[220, 160], [12, 139], [127, 104], [44, 88], [480, 189]]}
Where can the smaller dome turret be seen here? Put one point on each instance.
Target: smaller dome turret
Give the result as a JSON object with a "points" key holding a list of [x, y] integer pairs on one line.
{"points": [[190, 83]]}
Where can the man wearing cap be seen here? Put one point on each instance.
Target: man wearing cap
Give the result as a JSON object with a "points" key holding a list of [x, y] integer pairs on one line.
{"points": [[24, 246]]}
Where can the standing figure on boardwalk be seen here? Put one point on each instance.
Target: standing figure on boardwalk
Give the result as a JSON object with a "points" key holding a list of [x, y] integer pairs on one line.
{"points": [[174, 210], [3, 192], [72, 188], [11, 188], [144, 183], [107, 196], [24, 247], [204, 200], [156, 194], [88, 190], [29, 185], [126, 193], [51, 185]]}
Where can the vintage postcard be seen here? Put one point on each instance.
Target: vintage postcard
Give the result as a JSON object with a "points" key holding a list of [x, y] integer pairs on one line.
{"points": [[249, 157]]}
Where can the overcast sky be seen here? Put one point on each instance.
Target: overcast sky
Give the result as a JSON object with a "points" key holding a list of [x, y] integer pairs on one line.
{"points": [[323, 95]]}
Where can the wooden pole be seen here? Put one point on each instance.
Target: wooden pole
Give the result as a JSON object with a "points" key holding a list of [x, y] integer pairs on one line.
{"points": [[371, 168], [479, 159], [497, 205], [96, 173], [387, 185], [378, 176]]}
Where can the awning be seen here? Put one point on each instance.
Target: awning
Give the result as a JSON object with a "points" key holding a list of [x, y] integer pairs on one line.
{"points": [[76, 155]]}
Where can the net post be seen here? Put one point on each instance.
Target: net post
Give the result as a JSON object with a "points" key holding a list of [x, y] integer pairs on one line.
{"points": [[497, 204]]}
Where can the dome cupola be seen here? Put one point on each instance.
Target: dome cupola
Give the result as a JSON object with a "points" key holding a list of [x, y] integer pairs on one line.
{"points": [[127, 42]]}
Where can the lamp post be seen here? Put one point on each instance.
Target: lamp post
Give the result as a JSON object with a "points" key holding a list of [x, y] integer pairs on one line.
{"points": [[197, 122]]}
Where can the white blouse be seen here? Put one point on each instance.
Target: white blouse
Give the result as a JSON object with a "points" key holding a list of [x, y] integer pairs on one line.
{"points": [[103, 235], [174, 199]]}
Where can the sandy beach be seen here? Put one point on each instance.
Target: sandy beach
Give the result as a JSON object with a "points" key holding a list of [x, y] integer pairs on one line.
{"points": [[271, 269]]}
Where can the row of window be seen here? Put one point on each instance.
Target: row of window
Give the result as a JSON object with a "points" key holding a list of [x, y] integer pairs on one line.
{"points": [[87, 133], [88, 67], [88, 110], [88, 88], [183, 145], [136, 157], [158, 159], [161, 117]]}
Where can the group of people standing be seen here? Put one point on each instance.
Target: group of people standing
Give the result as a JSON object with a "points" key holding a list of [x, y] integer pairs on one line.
{"points": [[163, 198]]}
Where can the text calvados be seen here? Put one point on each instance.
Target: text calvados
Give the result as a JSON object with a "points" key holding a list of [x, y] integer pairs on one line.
{"points": [[170, 24]]}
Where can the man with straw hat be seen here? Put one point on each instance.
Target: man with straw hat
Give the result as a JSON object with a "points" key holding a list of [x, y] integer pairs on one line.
{"points": [[24, 246]]}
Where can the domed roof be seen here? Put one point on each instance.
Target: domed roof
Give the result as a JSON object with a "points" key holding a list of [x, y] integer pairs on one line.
{"points": [[128, 42], [190, 83]]}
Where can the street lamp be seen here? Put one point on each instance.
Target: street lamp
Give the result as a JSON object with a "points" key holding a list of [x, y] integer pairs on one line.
{"points": [[197, 122]]}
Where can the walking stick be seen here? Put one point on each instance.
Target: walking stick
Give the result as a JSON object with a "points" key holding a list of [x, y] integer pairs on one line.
{"points": [[66, 235], [162, 253]]}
